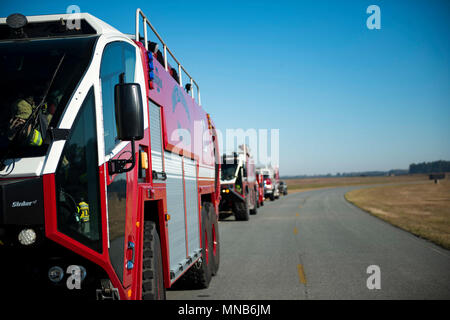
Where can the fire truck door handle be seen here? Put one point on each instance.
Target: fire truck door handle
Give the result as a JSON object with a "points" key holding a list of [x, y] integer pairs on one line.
{"points": [[130, 263]]}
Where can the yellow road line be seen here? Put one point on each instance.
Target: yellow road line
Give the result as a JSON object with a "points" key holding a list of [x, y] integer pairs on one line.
{"points": [[297, 214], [295, 230], [301, 274]]}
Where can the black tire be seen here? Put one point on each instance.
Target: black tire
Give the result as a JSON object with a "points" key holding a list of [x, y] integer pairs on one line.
{"points": [[255, 207], [152, 268], [214, 248], [272, 197], [199, 275], [241, 211], [257, 198]]}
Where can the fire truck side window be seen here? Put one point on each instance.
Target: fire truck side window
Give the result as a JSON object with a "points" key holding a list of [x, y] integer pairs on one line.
{"points": [[77, 187], [118, 58]]}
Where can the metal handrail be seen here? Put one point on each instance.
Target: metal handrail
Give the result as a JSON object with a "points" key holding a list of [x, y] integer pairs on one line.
{"points": [[166, 49]]}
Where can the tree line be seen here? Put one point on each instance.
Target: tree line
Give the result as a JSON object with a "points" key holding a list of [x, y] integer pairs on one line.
{"points": [[430, 167], [424, 168]]}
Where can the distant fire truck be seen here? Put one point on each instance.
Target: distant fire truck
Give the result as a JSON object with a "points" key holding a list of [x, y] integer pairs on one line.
{"points": [[271, 180], [239, 187], [260, 182], [100, 196]]}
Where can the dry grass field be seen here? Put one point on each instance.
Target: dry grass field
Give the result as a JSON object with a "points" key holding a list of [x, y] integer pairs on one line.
{"points": [[295, 185], [420, 208]]}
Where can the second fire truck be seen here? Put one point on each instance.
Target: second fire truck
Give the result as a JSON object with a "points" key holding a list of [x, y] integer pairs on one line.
{"points": [[239, 187]]}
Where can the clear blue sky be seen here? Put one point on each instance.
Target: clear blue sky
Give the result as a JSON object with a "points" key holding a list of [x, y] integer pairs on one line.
{"points": [[345, 98]]}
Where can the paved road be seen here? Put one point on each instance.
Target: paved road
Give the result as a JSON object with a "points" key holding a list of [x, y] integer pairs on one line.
{"points": [[315, 245]]}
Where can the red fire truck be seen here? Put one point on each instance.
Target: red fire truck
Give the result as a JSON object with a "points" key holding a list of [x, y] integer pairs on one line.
{"points": [[271, 182], [260, 182], [109, 166], [238, 185]]}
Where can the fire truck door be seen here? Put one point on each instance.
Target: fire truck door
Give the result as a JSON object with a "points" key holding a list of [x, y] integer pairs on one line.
{"points": [[118, 63]]}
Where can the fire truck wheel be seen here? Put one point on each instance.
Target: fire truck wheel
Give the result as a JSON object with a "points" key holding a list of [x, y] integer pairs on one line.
{"points": [[241, 211], [255, 208], [204, 271], [214, 248], [257, 200], [152, 270]]}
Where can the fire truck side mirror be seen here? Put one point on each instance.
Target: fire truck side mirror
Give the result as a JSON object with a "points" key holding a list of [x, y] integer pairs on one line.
{"points": [[129, 111]]}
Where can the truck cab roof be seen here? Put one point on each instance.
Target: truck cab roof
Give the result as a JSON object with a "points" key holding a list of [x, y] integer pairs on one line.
{"points": [[56, 26]]}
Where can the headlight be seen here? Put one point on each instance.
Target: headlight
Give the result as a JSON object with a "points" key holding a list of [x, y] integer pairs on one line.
{"points": [[27, 237], [55, 274]]}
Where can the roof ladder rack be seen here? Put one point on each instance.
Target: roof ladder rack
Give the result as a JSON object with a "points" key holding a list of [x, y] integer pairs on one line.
{"points": [[146, 22]]}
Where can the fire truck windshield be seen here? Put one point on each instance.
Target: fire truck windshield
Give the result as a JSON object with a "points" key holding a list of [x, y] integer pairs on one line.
{"points": [[228, 171], [37, 80]]}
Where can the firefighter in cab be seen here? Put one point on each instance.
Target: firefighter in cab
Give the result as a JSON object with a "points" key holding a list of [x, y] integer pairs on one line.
{"points": [[22, 110], [83, 210]]}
